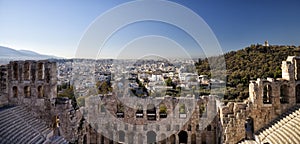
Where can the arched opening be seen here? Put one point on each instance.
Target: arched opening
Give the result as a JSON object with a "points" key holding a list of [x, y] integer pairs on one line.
{"points": [[197, 127], [140, 138], [139, 112], [130, 138], [33, 72], [15, 91], [203, 138], [284, 94], [102, 139], [249, 128], [163, 111], [40, 71], [40, 91], [182, 111], [208, 128], [84, 139], [26, 71], [193, 139], [183, 137], [163, 139], [27, 91], [15, 71], [121, 136], [102, 108], [151, 112], [298, 93], [173, 139], [267, 94], [47, 75], [202, 110], [168, 127], [151, 137], [120, 111], [189, 127]]}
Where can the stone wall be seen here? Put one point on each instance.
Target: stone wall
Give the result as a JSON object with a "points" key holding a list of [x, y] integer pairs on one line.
{"points": [[32, 84], [268, 98], [194, 126], [3, 86]]}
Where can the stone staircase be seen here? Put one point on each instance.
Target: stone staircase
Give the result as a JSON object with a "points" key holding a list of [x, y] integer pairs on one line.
{"points": [[283, 130], [18, 126]]}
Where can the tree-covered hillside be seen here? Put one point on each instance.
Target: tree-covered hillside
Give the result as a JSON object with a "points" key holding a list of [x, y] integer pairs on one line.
{"points": [[250, 63]]}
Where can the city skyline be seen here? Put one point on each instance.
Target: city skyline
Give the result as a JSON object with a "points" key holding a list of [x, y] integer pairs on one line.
{"points": [[55, 27]]}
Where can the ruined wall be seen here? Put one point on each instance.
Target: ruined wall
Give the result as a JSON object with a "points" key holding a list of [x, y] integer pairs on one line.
{"points": [[3, 85], [195, 124], [72, 126], [268, 98], [32, 84]]}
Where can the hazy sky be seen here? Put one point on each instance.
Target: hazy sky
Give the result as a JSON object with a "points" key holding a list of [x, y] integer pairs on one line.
{"points": [[56, 27]]}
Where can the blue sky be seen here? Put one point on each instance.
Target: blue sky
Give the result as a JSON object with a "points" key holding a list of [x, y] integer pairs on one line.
{"points": [[56, 27]]}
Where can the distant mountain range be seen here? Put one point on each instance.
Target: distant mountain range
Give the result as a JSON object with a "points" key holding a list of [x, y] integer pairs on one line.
{"points": [[9, 54]]}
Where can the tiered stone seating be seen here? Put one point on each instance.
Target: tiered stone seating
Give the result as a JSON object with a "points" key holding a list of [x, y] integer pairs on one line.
{"points": [[18, 126], [284, 129]]}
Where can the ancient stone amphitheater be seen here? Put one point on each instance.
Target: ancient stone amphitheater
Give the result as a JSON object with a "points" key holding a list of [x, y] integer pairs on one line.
{"points": [[31, 112]]}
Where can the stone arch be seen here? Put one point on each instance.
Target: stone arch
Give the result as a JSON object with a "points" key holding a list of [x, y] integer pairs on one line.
{"points": [[26, 71], [139, 111], [173, 139], [163, 139], [189, 127], [151, 112], [33, 72], [130, 138], [15, 71], [183, 137], [121, 135], [202, 110], [102, 139], [140, 138], [182, 111], [151, 137], [267, 94], [249, 128], [120, 110], [15, 91], [208, 128], [40, 91], [168, 127], [298, 93], [162, 111], [203, 138], [197, 127], [47, 75], [27, 91], [193, 139], [284, 91], [85, 139], [40, 71]]}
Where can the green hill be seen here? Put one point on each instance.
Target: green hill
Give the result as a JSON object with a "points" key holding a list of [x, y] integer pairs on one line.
{"points": [[250, 63]]}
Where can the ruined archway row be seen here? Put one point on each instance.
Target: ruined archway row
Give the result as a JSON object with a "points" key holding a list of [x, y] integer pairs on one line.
{"points": [[268, 99], [30, 81], [140, 113], [150, 137]]}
